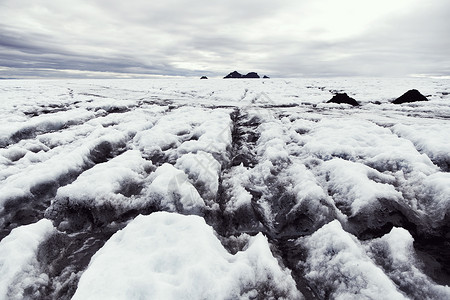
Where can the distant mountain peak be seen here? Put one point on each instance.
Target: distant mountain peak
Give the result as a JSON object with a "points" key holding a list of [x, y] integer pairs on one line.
{"points": [[236, 74]]}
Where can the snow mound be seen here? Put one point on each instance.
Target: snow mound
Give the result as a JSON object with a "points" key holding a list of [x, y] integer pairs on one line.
{"points": [[434, 197], [235, 181], [394, 252], [310, 198], [179, 257], [174, 191], [20, 277], [239, 208], [112, 178], [213, 136], [339, 268], [187, 130], [270, 145], [202, 169], [156, 140], [364, 141], [428, 138], [114, 184], [356, 186]]}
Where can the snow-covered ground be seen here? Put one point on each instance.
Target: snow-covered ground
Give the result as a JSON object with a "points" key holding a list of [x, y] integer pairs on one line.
{"points": [[224, 189]]}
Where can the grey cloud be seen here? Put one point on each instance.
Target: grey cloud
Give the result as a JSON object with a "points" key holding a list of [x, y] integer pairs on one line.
{"points": [[192, 38], [24, 42], [411, 43]]}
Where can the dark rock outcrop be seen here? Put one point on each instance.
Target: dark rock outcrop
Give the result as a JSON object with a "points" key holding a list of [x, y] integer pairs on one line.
{"points": [[341, 98], [234, 74], [203, 77], [410, 96], [251, 75], [266, 77]]}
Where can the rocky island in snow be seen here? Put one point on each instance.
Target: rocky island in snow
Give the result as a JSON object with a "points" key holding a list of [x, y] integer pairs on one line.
{"points": [[236, 74]]}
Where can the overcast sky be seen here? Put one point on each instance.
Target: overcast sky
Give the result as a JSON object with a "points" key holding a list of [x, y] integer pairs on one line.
{"points": [[286, 38]]}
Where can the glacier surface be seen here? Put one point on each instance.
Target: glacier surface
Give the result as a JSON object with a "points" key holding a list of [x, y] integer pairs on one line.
{"points": [[223, 189]]}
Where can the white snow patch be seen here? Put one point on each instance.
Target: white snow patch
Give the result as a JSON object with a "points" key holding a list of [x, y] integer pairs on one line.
{"points": [[235, 181], [434, 196], [107, 182], [363, 141], [18, 264], [338, 266], [214, 136], [179, 257], [429, 138], [358, 186], [188, 130], [309, 195], [175, 191], [396, 255], [270, 145], [156, 140], [202, 168]]}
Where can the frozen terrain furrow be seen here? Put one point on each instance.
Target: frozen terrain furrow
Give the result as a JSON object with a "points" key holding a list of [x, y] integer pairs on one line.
{"points": [[125, 188], [31, 177], [272, 202], [249, 190], [15, 132], [268, 188], [430, 139], [23, 196]]}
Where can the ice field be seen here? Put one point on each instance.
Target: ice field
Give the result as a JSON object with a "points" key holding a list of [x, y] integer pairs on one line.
{"points": [[224, 189]]}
